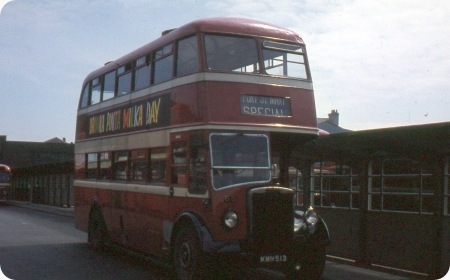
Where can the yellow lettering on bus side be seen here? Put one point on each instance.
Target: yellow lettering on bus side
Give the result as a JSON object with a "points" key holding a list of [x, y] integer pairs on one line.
{"points": [[152, 112], [155, 111], [125, 118], [130, 116], [117, 120], [148, 114], [138, 116], [97, 124], [91, 125], [109, 122]]}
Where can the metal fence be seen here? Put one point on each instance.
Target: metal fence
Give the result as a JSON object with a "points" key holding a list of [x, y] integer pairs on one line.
{"points": [[51, 189]]}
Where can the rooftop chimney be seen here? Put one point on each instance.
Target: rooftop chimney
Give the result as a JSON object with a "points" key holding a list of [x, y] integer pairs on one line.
{"points": [[333, 117]]}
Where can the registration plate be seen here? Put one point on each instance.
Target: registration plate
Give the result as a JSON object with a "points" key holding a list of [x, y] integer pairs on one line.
{"points": [[273, 259]]}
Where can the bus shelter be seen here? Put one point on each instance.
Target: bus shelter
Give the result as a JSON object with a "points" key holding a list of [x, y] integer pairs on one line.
{"points": [[384, 194]]}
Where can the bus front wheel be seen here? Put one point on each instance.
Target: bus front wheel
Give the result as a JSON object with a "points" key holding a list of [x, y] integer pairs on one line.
{"points": [[188, 254], [312, 265]]}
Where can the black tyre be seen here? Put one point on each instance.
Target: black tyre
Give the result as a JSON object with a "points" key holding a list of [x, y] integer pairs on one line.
{"points": [[188, 256], [314, 266], [97, 234], [311, 268]]}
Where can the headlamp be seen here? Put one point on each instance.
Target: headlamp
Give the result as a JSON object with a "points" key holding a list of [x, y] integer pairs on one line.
{"points": [[303, 219], [311, 216], [230, 219]]}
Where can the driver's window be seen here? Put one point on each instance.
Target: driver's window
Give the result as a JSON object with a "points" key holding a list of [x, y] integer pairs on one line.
{"points": [[198, 169], [179, 158]]}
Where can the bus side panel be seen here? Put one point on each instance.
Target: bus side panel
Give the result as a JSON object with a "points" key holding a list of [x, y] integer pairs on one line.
{"points": [[204, 102], [188, 104], [146, 214], [81, 128], [230, 199], [133, 219], [303, 112], [211, 211], [84, 199]]}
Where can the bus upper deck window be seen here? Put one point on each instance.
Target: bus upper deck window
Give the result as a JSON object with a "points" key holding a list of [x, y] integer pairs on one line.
{"points": [[124, 79], [282, 59], [109, 85], [85, 96], [163, 64], [95, 94], [230, 53], [142, 73], [187, 58]]}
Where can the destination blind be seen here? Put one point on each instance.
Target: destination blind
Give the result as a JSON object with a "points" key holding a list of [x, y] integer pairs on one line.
{"points": [[265, 105]]}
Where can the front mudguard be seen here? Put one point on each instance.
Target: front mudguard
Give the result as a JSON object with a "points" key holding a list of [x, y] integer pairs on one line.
{"points": [[313, 237], [208, 244], [322, 234], [308, 262]]}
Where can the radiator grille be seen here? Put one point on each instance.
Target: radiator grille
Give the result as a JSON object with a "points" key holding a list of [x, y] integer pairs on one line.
{"points": [[271, 217]]}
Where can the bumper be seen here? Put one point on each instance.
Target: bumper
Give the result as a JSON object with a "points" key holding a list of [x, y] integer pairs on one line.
{"points": [[277, 254]]}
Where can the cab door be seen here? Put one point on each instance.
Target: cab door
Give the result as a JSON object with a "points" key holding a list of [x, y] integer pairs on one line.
{"points": [[188, 174]]}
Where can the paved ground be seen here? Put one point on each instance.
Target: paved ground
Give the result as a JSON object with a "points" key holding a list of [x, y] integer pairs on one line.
{"points": [[333, 270]]}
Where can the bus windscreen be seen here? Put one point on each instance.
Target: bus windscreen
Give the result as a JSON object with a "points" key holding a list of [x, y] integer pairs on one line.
{"points": [[239, 159]]}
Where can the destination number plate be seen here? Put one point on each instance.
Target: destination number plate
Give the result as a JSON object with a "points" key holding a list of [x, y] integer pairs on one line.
{"points": [[273, 259]]}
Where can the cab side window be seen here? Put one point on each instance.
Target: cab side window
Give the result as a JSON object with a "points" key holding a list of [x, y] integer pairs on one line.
{"points": [[179, 160]]}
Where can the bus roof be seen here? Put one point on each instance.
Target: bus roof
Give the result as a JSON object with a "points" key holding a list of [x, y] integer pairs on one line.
{"points": [[240, 26]]}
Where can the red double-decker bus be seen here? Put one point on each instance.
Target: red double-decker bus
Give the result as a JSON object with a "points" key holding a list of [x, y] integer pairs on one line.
{"points": [[183, 149]]}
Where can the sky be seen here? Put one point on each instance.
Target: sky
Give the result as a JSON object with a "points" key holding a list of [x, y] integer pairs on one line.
{"points": [[379, 63]]}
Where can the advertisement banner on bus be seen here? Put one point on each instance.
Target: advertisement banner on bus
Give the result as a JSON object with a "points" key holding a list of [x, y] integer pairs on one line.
{"points": [[146, 114]]}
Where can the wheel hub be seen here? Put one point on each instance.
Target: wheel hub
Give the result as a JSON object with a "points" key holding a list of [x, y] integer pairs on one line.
{"points": [[185, 255]]}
